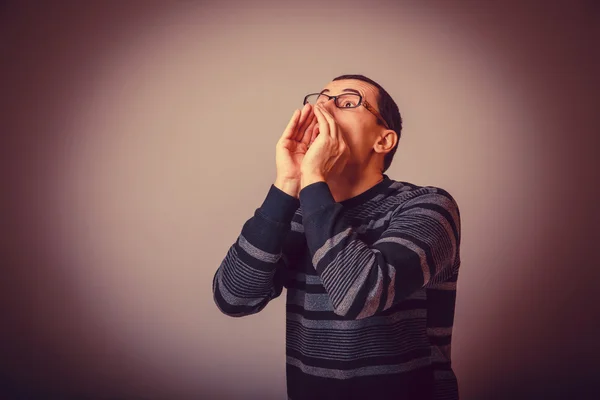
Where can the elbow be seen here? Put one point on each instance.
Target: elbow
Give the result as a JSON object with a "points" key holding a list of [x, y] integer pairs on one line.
{"points": [[225, 308], [233, 305], [235, 310], [232, 311], [222, 305]]}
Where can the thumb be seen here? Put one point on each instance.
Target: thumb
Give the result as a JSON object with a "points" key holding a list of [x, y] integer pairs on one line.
{"points": [[315, 134], [291, 126]]}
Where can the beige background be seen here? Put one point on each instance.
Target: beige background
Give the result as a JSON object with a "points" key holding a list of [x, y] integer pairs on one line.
{"points": [[138, 138]]}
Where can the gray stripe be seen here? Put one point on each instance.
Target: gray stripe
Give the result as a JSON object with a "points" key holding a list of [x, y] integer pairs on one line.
{"points": [[363, 371], [391, 202], [256, 252], [381, 202], [321, 301], [440, 331], [350, 295], [419, 294], [397, 185], [406, 333], [351, 262], [443, 286], [372, 224], [329, 244], [345, 269], [437, 355], [297, 227], [445, 350], [412, 328], [430, 231], [234, 262], [440, 219], [232, 299], [386, 340], [392, 287], [357, 324], [375, 224], [373, 298], [243, 280], [415, 248], [444, 374], [441, 200], [309, 279], [340, 272], [310, 301], [335, 352]]}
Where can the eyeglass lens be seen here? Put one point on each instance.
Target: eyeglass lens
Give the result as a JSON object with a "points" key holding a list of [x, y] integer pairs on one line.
{"points": [[348, 100]]}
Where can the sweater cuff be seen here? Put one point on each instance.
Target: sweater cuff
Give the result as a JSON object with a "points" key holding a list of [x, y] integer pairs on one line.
{"points": [[279, 206], [314, 197]]}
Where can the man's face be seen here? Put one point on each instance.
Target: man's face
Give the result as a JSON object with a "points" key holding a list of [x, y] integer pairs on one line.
{"points": [[358, 125]]}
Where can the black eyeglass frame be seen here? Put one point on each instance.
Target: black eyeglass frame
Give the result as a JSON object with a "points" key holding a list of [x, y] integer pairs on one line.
{"points": [[361, 102]]}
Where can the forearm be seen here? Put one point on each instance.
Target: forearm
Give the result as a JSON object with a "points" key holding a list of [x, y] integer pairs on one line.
{"points": [[393, 267], [308, 179], [247, 278], [291, 187]]}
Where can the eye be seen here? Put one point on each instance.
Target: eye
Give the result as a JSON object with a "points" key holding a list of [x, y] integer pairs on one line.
{"points": [[348, 100]]}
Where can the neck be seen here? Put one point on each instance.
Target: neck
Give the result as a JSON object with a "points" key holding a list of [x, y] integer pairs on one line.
{"points": [[351, 183]]}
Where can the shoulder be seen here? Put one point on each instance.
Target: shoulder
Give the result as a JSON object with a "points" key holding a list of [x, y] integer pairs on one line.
{"points": [[410, 192], [416, 198]]}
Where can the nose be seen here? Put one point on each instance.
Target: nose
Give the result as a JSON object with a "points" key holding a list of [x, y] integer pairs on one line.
{"points": [[329, 104]]}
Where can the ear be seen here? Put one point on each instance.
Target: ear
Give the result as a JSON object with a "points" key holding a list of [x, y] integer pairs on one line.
{"points": [[386, 142]]}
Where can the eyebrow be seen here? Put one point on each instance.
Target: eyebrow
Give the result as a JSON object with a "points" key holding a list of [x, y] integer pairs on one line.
{"points": [[345, 90]]}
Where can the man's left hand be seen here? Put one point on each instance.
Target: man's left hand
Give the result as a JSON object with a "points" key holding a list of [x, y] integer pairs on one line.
{"points": [[328, 154]]}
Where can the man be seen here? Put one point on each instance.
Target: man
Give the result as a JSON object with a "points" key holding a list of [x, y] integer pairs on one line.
{"points": [[370, 264]]}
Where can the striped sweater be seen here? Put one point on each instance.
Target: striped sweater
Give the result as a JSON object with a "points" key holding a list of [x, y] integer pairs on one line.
{"points": [[371, 288]]}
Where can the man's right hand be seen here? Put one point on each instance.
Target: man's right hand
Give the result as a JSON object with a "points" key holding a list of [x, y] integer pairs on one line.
{"points": [[292, 147]]}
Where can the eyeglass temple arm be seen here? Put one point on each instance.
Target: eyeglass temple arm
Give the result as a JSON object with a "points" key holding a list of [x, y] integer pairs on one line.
{"points": [[375, 112]]}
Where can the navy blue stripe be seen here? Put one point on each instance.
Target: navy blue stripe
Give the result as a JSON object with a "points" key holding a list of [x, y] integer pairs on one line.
{"points": [[442, 366], [441, 304], [413, 385], [440, 340], [254, 262], [361, 362], [404, 254], [406, 305]]}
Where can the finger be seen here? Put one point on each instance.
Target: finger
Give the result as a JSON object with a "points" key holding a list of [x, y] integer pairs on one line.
{"points": [[309, 121], [312, 131], [318, 135], [308, 132], [333, 131], [290, 130], [323, 123], [304, 117], [314, 134]]}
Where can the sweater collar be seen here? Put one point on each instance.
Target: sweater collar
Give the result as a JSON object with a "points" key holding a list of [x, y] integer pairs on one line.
{"points": [[367, 195]]}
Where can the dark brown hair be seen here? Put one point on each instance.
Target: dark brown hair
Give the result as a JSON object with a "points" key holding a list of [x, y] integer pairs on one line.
{"points": [[387, 108]]}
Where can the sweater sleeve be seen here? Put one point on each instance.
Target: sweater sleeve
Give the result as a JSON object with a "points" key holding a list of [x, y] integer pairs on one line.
{"points": [[419, 248], [253, 270]]}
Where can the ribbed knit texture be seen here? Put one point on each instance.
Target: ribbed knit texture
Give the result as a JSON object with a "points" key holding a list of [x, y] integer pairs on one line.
{"points": [[371, 288]]}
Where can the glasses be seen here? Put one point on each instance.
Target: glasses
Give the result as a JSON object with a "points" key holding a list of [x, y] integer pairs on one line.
{"points": [[346, 100]]}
